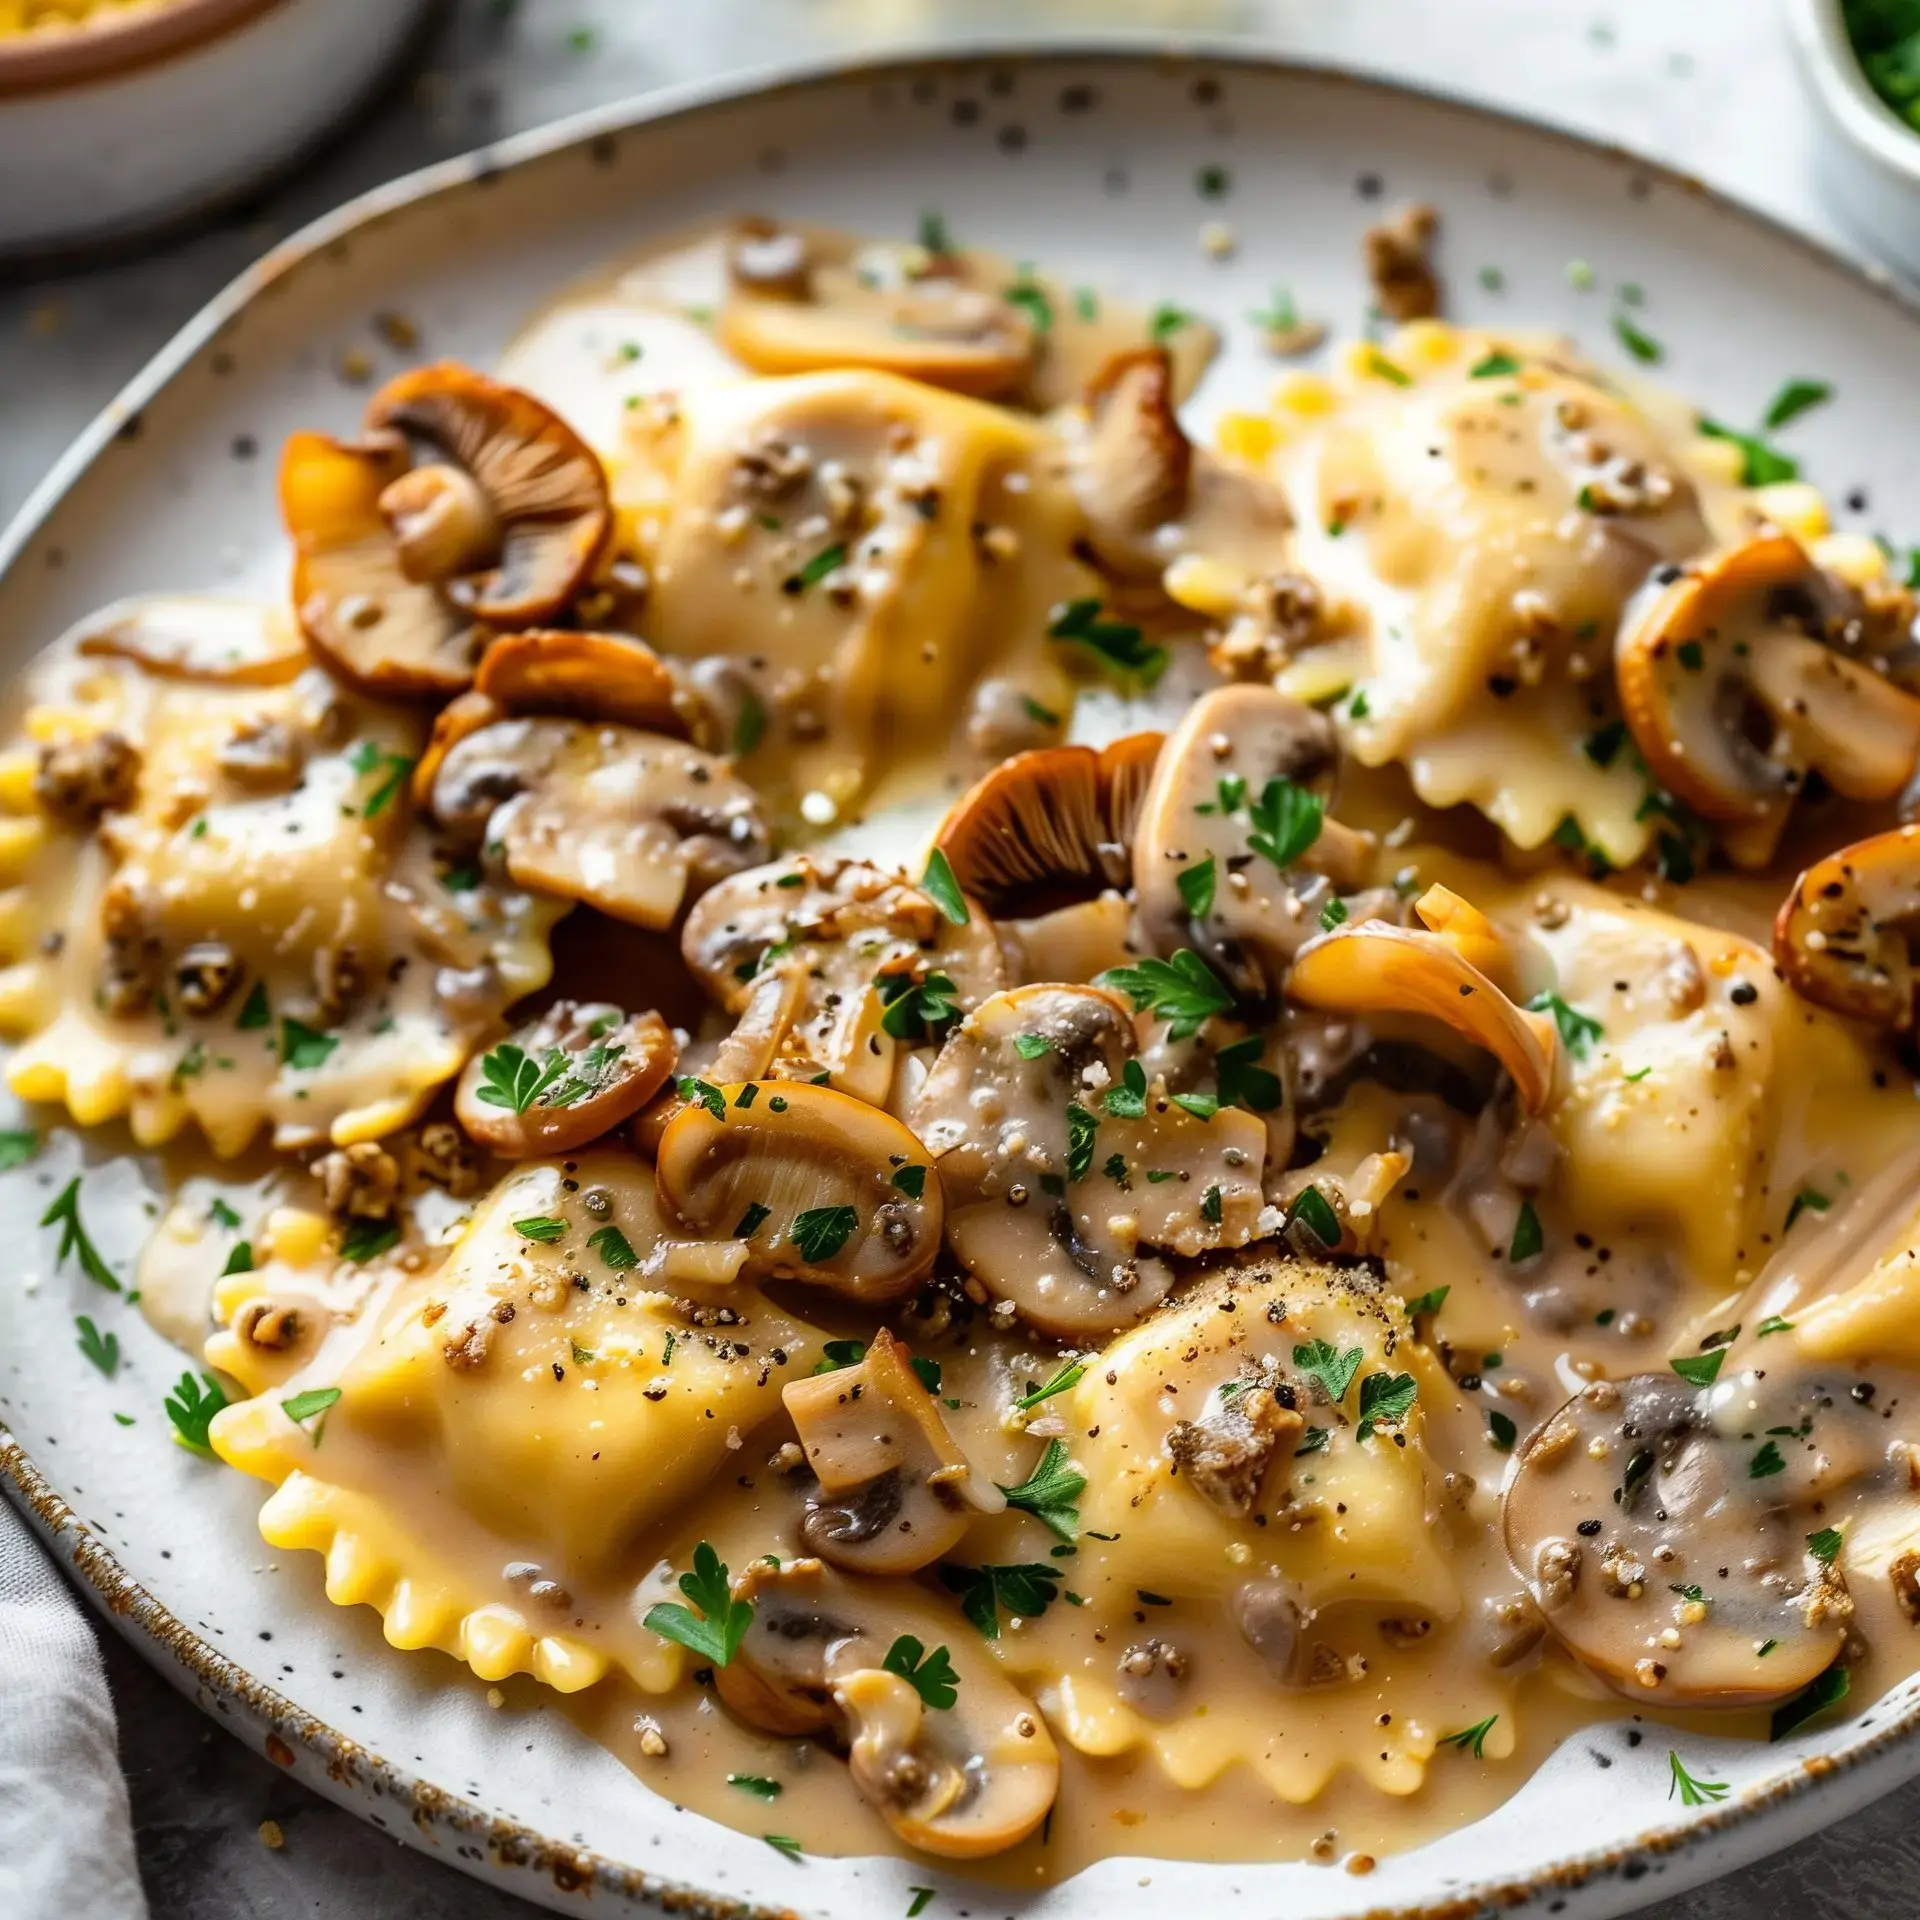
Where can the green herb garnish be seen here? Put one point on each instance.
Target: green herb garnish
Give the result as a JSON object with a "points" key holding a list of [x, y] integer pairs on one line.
{"points": [[716, 1632], [1050, 1492]]}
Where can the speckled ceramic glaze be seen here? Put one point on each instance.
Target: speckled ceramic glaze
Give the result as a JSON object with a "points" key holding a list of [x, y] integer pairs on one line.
{"points": [[1090, 163]]}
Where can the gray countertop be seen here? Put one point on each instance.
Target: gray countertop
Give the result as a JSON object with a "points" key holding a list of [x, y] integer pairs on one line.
{"points": [[1706, 86]]}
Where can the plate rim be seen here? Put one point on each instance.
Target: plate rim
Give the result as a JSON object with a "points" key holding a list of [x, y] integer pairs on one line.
{"points": [[347, 1769]]}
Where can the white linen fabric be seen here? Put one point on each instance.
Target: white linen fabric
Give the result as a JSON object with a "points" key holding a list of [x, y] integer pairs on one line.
{"points": [[66, 1839]]}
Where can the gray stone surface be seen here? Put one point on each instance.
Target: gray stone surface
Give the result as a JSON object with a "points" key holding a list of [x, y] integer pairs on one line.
{"points": [[1705, 85]]}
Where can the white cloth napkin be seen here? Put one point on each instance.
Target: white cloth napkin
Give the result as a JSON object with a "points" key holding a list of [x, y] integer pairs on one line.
{"points": [[66, 1840]]}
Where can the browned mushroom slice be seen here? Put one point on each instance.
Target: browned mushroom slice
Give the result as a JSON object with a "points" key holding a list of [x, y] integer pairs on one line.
{"points": [[962, 1781], [585, 676], [575, 1073], [235, 643], [1067, 1180], [1049, 827], [895, 1491], [465, 713], [629, 822], [1733, 699], [468, 507], [1844, 937], [1204, 869], [820, 1186], [510, 508], [1659, 1558], [1377, 968], [1150, 496], [800, 302]]}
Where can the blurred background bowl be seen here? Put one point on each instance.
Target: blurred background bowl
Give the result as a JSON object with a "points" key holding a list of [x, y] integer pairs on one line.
{"points": [[135, 119]]}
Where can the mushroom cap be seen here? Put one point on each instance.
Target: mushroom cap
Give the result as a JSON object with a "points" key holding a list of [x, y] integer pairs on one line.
{"points": [[544, 484], [627, 821], [797, 302], [614, 1063], [370, 623], [1678, 1510], [1377, 968], [1707, 655], [1259, 916], [1049, 827], [1049, 1201], [585, 676], [963, 1781], [895, 1490], [819, 1185], [1843, 937], [465, 713], [231, 643]]}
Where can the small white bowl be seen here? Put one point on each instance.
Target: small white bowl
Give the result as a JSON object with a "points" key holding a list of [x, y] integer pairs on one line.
{"points": [[137, 118], [1868, 159]]}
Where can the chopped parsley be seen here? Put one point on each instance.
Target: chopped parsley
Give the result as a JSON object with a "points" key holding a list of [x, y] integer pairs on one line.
{"points": [[1760, 464], [1828, 1690], [827, 560], [1497, 364], [1286, 822], [1472, 1739], [1128, 1101], [1211, 1206], [1030, 1046], [917, 1009], [367, 1239], [1773, 1323], [1184, 991], [614, 1248], [1500, 1430], [1805, 1201], [1030, 297], [191, 1407], [1280, 314], [240, 1259], [1081, 1128], [1642, 346], [930, 1675], [1795, 398], [1385, 1397], [1067, 1377], [1167, 320], [1429, 1302], [370, 757], [750, 724], [1026, 1591], [820, 1232], [1578, 1030], [927, 1372], [222, 1215], [756, 1784], [74, 1239], [543, 1227], [1766, 1463], [841, 1353], [1311, 1209], [1380, 366], [696, 1093], [1244, 1081], [310, 1405], [1692, 1792], [255, 1012], [934, 237], [103, 1349], [1527, 1238], [912, 1181], [18, 1145], [303, 1048], [1051, 1492], [921, 1901], [716, 1631], [1320, 1360], [1825, 1545], [1118, 645], [1701, 1369], [940, 886], [1196, 884], [784, 1843], [1333, 914]]}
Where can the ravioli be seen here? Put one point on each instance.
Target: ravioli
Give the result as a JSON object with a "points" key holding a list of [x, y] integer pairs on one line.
{"points": [[261, 935], [514, 1429]]}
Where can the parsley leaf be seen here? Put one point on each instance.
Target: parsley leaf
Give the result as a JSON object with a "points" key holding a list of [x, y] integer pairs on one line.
{"points": [[1578, 1030], [1805, 1201], [716, 1632], [239, 1259], [544, 1227], [1166, 322], [1128, 1101], [827, 560], [917, 1009], [1701, 1369], [1030, 297], [912, 1181], [840, 1353], [17, 1147], [1184, 990], [1501, 1431], [1123, 648], [1026, 1591], [1196, 884], [1067, 1378], [1795, 398], [1244, 1081], [1081, 1128], [1828, 1690], [191, 1407], [1320, 1360], [1645, 349], [1527, 1238], [943, 889], [1766, 1463], [103, 1349], [65, 1213], [369, 757], [510, 1077], [698, 1093], [1429, 1302], [784, 1843], [1825, 1545], [1286, 822], [1761, 465], [930, 1675], [614, 1248], [1051, 1492], [1497, 363], [756, 1784], [366, 1239], [1313, 1211], [1030, 1046], [304, 1406], [821, 1232], [1773, 1323], [1385, 1397], [256, 1012]]}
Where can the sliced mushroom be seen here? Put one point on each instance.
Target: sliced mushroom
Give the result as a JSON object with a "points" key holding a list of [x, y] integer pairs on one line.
{"points": [[802, 301], [1377, 968], [1225, 1455], [854, 937], [1057, 1204], [465, 713], [1238, 748], [600, 1065], [895, 1491], [1660, 1560], [470, 506], [820, 1186], [585, 676], [235, 643], [1049, 827], [1734, 697], [1150, 496], [628, 821], [1844, 937], [962, 1781]]}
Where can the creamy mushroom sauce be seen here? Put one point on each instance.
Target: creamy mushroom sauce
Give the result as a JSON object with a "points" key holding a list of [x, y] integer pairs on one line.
{"points": [[1268, 1406]]}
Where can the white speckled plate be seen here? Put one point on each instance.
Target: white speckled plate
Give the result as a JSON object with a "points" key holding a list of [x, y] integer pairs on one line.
{"points": [[1088, 162]]}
